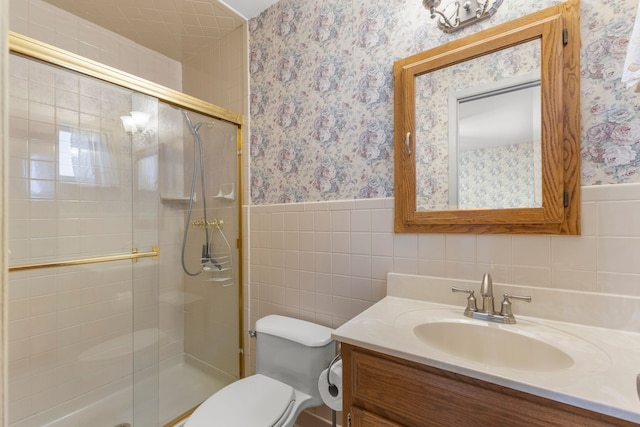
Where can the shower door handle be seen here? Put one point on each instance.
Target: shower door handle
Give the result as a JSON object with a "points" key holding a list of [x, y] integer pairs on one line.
{"points": [[154, 254]]}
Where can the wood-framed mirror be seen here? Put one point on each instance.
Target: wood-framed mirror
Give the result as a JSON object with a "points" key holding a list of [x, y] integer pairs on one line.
{"points": [[487, 130]]}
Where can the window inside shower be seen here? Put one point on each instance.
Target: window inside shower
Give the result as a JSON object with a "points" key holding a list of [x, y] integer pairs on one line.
{"points": [[102, 333]]}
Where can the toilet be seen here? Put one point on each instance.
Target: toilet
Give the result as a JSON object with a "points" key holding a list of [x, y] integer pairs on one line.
{"points": [[290, 355]]}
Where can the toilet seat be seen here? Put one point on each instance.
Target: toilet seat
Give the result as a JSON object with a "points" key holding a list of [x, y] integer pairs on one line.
{"points": [[255, 401]]}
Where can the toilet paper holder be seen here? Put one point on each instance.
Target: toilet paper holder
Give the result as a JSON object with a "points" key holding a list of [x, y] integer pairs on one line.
{"points": [[333, 389]]}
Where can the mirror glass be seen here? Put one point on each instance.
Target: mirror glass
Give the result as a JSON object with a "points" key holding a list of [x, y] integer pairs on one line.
{"points": [[477, 132], [494, 147]]}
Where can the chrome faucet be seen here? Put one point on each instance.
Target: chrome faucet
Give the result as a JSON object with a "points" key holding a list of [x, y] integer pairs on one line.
{"points": [[486, 291], [488, 310]]}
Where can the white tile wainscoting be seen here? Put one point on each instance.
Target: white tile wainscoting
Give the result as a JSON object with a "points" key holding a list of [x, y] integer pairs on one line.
{"points": [[328, 261]]}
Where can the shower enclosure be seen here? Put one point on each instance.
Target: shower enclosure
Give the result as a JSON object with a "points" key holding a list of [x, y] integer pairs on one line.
{"points": [[105, 326]]}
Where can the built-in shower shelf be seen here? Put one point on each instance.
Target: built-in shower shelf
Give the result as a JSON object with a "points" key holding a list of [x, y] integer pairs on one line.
{"points": [[219, 279], [175, 198], [226, 192]]}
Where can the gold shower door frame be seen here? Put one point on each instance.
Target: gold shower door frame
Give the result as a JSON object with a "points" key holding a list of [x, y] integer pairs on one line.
{"points": [[34, 49]]}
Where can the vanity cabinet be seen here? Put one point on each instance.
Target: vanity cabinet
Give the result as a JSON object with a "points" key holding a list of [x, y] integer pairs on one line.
{"points": [[385, 391]]}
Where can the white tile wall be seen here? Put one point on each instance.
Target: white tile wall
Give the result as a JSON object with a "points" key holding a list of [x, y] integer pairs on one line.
{"points": [[345, 249], [47, 23], [218, 74], [57, 317]]}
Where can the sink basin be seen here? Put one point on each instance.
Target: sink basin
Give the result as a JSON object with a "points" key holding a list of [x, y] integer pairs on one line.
{"points": [[492, 344]]}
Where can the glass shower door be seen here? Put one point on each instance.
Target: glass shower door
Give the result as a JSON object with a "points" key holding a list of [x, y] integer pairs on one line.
{"points": [[106, 328], [77, 209], [145, 276], [199, 297]]}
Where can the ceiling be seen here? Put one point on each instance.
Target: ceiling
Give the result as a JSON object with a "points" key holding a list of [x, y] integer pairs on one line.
{"points": [[249, 8], [503, 118], [178, 29]]}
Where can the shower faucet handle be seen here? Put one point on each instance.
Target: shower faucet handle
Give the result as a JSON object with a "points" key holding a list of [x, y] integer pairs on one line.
{"points": [[210, 223]]}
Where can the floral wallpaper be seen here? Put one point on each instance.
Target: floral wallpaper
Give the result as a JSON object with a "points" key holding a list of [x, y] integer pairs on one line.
{"points": [[498, 177], [610, 111], [321, 76], [433, 90]]}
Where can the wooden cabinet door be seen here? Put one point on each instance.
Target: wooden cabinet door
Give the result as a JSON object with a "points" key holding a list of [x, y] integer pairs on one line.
{"points": [[386, 391]]}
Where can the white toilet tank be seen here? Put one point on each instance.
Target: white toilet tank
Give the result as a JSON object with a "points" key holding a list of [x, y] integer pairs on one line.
{"points": [[293, 351]]}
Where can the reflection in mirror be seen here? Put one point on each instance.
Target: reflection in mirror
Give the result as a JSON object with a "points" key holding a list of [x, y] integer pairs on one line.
{"points": [[450, 173], [494, 146]]}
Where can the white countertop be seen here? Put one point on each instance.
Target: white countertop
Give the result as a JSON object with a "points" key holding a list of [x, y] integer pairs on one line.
{"points": [[602, 377]]}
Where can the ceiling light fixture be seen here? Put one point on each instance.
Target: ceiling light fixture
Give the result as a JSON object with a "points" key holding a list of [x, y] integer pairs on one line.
{"points": [[454, 15], [137, 125]]}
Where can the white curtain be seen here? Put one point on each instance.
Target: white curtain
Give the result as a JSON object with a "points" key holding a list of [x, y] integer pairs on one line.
{"points": [[631, 71]]}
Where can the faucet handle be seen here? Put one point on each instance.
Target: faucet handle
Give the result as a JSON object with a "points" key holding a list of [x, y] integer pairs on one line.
{"points": [[471, 301], [523, 298], [505, 306]]}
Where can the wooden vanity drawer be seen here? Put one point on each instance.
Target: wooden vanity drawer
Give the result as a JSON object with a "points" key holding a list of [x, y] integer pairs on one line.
{"points": [[403, 393]]}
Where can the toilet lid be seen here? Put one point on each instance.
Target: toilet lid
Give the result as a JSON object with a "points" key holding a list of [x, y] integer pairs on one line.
{"points": [[255, 401]]}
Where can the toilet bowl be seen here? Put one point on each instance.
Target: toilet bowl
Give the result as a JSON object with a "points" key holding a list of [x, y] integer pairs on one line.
{"points": [[290, 354]]}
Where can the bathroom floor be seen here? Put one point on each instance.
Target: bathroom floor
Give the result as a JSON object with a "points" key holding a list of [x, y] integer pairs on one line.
{"points": [[184, 385]]}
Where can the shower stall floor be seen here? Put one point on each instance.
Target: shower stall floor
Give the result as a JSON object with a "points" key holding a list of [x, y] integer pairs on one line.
{"points": [[184, 383]]}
